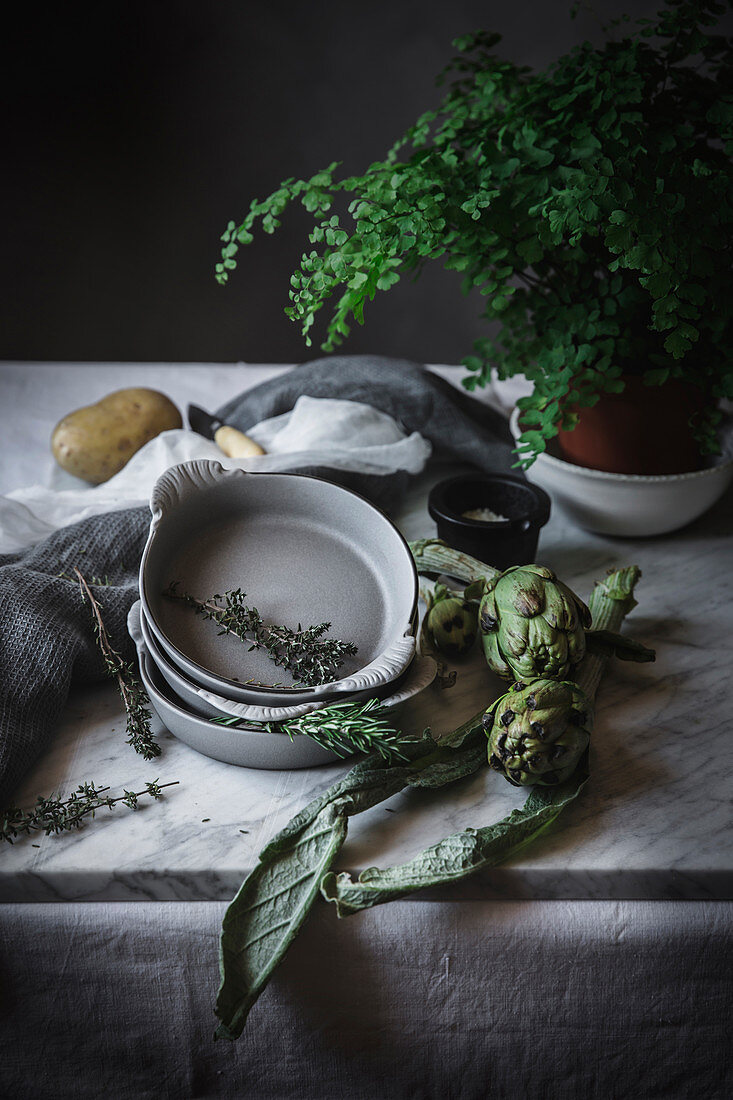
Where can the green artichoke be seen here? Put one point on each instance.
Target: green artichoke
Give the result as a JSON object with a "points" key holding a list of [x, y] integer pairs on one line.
{"points": [[532, 624], [451, 622], [538, 732]]}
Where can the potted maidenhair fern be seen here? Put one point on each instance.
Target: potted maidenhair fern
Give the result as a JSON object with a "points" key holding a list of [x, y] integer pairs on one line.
{"points": [[588, 208]]}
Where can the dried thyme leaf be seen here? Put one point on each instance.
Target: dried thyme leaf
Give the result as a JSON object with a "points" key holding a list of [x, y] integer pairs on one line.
{"points": [[138, 723], [58, 815], [305, 653]]}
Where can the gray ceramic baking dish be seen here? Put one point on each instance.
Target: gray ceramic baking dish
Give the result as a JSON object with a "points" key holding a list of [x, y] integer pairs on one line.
{"points": [[247, 748], [210, 704], [303, 549], [252, 748]]}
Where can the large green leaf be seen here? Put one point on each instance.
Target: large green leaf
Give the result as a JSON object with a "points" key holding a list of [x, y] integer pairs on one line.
{"points": [[267, 913], [459, 855], [276, 897]]}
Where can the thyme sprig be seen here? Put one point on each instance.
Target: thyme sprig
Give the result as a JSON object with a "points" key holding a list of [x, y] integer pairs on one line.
{"points": [[310, 658], [57, 815], [138, 728], [343, 728]]}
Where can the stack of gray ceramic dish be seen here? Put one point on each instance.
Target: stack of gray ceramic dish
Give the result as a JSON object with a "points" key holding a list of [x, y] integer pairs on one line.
{"points": [[304, 551]]}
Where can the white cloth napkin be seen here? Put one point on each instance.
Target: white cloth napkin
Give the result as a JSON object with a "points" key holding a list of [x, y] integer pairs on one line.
{"points": [[342, 435]]}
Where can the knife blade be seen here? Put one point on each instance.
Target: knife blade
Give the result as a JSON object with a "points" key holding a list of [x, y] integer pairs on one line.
{"points": [[231, 441]]}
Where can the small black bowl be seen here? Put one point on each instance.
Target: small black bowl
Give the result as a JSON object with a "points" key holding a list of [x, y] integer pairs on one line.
{"points": [[502, 543]]}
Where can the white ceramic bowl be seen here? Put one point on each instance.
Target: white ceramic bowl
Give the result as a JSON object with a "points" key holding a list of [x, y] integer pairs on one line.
{"points": [[627, 504]]}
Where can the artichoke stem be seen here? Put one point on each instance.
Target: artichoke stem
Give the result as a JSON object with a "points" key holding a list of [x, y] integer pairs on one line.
{"points": [[435, 556], [611, 601]]}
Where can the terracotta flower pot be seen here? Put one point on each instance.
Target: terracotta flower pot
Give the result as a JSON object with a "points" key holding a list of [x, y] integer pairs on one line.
{"points": [[644, 430]]}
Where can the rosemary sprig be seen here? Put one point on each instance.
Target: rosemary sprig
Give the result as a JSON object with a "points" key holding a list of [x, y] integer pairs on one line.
{"points": [[57, 815], [343, 728], [139, 732], [310, 658]]}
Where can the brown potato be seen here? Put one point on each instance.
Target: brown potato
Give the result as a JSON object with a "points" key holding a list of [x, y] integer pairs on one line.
{"points": [[95, 442]]}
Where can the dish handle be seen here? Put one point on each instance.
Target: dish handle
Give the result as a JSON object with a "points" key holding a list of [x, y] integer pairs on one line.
{"points": [[133, 626], [181, 482], [386, 667]]}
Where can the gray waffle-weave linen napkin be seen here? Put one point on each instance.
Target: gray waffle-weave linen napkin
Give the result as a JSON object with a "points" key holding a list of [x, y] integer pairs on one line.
{"points": [[47, 639]]}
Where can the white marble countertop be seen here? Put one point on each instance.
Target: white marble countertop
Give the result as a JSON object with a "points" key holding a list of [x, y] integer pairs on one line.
{"points": [[653, 822]]}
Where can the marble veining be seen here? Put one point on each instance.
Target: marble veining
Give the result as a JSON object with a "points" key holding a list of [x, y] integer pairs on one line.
{"points": [[653, 822]]}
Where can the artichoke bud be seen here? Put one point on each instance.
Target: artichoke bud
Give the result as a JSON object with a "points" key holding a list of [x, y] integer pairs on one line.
{"points": [[538, 732], [451, 621], [532, 624]]}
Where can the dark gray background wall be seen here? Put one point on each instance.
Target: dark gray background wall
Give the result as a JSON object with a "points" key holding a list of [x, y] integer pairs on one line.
{"points": [[135, 131]]}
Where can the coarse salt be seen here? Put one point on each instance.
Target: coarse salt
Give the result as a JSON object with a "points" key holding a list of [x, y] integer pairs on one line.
{"points": [[485, 515]]}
